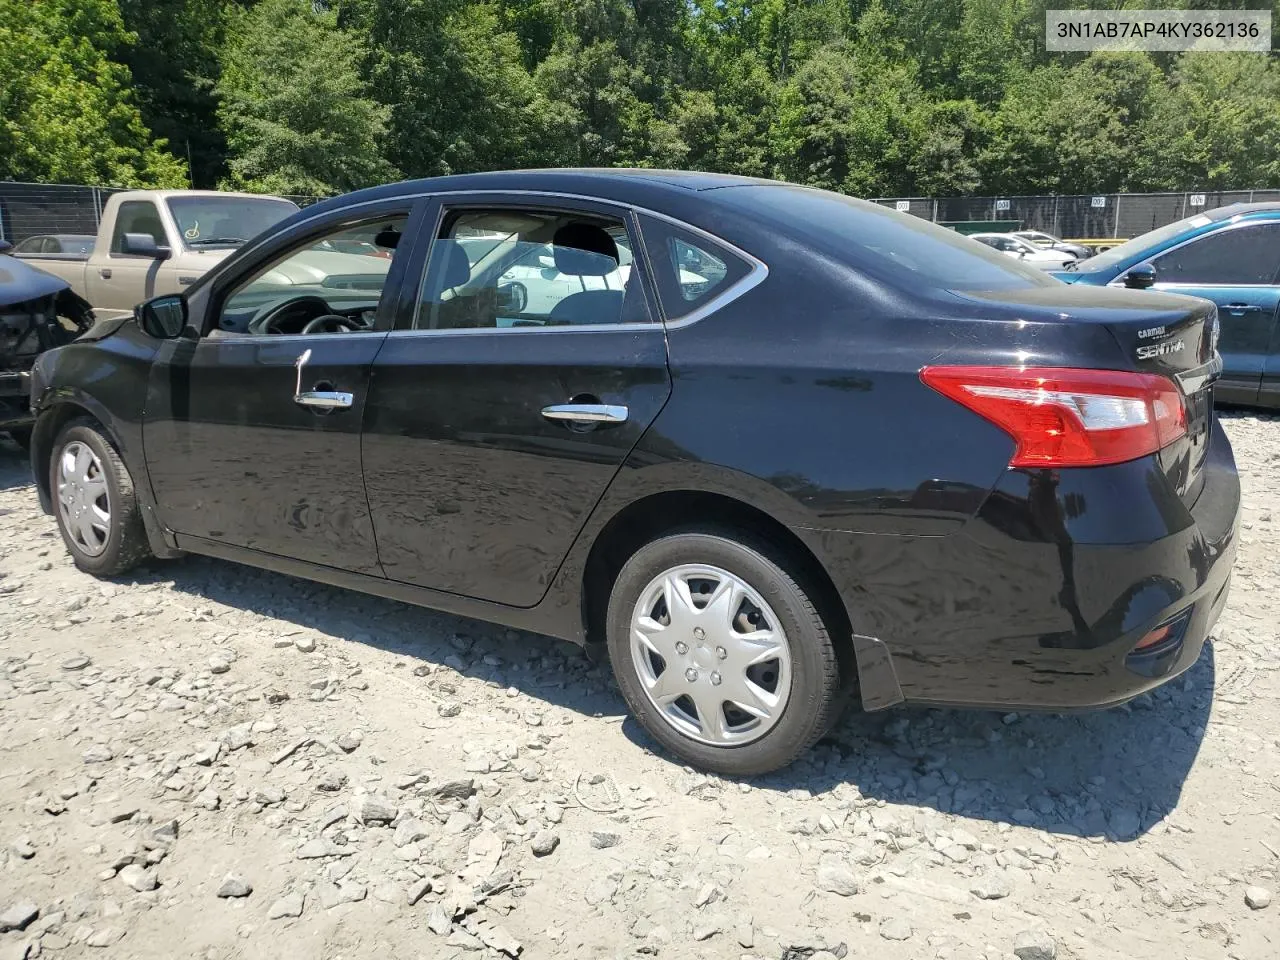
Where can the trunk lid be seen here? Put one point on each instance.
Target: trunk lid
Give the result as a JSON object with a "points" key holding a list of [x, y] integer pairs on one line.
{"points": [[1161, 333]]}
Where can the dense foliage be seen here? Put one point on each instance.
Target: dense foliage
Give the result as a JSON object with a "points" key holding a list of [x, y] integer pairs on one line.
{"points": [[872, 97]]}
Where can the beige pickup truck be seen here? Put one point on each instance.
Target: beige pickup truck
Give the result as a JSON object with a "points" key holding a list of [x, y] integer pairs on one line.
{"points": [[160, 241]]}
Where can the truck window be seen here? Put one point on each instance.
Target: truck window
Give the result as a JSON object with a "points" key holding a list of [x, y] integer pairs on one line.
{"points": [[137, 216]]}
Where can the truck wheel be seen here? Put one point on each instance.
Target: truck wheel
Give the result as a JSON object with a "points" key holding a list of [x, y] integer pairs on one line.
{"points": [[97, 511]]}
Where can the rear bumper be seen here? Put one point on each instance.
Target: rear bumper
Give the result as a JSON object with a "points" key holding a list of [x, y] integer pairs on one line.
{"points": [[1039, 602]]}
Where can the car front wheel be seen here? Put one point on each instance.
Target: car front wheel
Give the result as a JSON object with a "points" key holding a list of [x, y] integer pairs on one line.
{"points": [[721, 653], [96, 509]]}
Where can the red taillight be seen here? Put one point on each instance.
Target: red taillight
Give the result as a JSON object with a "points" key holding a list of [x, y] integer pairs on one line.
{"points": [[1063, 417]]}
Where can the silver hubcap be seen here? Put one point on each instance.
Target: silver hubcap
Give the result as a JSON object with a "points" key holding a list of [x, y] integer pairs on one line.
{"points": [[83, 500], [711, 655]]}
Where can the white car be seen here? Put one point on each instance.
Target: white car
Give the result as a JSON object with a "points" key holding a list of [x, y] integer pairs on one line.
{"points": [[1025, 250]]}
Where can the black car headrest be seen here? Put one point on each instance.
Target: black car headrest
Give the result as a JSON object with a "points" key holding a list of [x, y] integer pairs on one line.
{"points": [[388, 237], [584, 250], [448, 269]]}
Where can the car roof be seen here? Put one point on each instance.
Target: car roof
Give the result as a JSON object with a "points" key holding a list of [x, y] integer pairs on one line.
{"points": [[1242, 209]]}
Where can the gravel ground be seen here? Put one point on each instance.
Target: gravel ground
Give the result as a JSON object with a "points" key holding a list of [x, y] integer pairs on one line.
{"points": [[210, 761]]}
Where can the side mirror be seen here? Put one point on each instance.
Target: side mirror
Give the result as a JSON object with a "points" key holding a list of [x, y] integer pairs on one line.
{"points": [[162, 317], [1022, 254], [143, 245], [547, 262], [1140, 277], [512, 297], [5, 246]]}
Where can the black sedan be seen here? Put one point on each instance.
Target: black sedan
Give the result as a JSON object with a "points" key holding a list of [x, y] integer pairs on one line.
{"points": [[769, 446]]}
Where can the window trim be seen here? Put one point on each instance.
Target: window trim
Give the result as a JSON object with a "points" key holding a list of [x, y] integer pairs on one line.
{"points": [[308, 231], [625, 213], [1238, 225], [111, 243]]}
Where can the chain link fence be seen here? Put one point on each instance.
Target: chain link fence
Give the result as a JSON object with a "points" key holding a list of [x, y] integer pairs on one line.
{"points": [[33, 209], [29, 209], [1109, 216]]}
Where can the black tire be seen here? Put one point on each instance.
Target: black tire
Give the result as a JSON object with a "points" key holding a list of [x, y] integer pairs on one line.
{"points": [[815, 680], [126, 541]]}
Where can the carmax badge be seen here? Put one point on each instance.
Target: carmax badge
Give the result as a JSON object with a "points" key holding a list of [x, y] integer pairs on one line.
{"points": [[1161, 349]]}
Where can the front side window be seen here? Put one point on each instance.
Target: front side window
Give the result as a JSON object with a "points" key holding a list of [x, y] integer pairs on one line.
{"points": [[1242, 255], [137, 216], [332, 284], [502, 269]]}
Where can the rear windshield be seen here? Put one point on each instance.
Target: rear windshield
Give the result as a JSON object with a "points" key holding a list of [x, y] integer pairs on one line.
{"points": [[897, 247], [226, 221]]}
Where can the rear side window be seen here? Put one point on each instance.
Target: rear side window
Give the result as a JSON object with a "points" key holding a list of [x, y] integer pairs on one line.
{"points": [[692, 270], [897, 247], [1242, 255]]}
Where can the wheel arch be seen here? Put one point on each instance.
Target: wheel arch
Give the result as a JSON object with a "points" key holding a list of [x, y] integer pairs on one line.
{"points": [[647, 518]]}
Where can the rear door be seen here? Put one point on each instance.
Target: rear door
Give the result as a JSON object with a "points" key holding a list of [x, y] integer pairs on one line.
{"points": [[510, 393], [1235, 267]]}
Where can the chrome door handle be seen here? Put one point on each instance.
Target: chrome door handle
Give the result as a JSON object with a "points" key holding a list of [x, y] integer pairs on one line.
{"points": [[586, 412], [105, 273], [1242, 308], [324, 399]]}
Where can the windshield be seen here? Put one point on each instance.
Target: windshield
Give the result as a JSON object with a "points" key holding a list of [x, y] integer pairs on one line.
{"points": [[1135, 247], [902, 248], [226, 221]]}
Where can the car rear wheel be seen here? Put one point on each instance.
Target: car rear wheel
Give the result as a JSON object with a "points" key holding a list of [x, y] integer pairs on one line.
{"points": [[721, 653], [96, 509]]}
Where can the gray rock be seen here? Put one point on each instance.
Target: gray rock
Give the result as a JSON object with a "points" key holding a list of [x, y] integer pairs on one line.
{"points": [[408, 831], [18, 915], [234, 885], [331, 781], [333, 894], [76, 663], [1035, 945], [319, 847], [139, 879], [896, 929], [105, 937], [1125, 823], [1257, 898], [834, 876], [23, 848], [219, 664], [451, 709], [305, 644], [991, 885], [207, 799], [705, 929], [290, 905], [603, 839], [438, 921], [98, 753], [374, 809], [456, 789], [544, 843], [419, 890], [348, 743], [268, 795]]}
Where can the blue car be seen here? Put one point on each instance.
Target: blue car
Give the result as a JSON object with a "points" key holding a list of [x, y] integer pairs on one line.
{"points": [[1231, 256]]}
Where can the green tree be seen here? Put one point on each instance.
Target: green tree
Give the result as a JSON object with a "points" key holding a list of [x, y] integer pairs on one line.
{"points": [[1221, 124], [296, 111], [174, 64], [66, 110]]}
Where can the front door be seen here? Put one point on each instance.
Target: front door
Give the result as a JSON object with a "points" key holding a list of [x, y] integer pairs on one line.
{"points": [[519, 378], [1236, 268], [116, 281], [252, 432]]}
